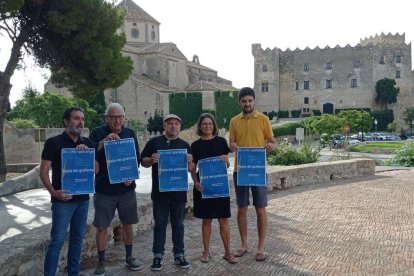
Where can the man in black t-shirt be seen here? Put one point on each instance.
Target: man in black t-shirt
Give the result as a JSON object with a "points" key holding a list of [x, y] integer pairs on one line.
{"points": [[66, 209], [167, 204]]}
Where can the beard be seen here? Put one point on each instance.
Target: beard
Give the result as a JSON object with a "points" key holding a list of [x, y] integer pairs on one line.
{"points": [[75, 131], [248, 110]]}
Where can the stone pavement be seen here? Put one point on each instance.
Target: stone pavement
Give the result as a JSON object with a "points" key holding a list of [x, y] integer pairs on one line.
{"points": [[360, 226]]}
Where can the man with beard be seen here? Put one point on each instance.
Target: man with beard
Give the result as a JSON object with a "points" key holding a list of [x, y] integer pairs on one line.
{"points": [[66, 209], [250, 129], [111, 197], [167, 204]]}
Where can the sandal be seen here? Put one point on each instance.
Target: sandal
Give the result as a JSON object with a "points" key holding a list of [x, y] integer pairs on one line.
{"points": [[205, 258], [240, 253], [230, 258]]}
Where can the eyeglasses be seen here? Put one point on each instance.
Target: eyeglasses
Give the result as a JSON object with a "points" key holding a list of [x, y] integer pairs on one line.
{"points": [[113, 118], [206, 124]]}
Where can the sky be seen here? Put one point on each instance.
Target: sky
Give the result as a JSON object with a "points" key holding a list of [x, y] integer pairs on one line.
{"points": [[221, 32]]}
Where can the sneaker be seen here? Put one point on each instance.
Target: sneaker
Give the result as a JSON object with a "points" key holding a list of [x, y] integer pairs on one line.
{"points": [[100, 270], [156, 264], [133, 264], [181, 261]]}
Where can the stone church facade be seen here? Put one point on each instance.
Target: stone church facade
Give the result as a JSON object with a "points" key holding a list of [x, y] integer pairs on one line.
{"points": [[327, 78], [159, 69]]}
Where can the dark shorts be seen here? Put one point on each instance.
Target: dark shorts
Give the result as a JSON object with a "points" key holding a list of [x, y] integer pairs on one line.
{"points": [[105, 206], [259, 195]]}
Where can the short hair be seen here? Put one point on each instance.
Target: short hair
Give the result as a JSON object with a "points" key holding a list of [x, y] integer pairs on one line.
{"points": [[114, 106], [200, 120], [246, 91], [68, 113]]}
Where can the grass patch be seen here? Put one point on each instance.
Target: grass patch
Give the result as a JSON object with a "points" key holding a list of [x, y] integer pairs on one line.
{"points": [[378, 147]]}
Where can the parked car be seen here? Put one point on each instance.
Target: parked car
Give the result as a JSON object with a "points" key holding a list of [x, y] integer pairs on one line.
{"points": [[337, 140], [393, 137], [352, 141], [378, 136]]}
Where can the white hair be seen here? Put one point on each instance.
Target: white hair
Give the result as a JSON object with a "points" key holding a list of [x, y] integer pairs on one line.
{"points": [[114, 106]]}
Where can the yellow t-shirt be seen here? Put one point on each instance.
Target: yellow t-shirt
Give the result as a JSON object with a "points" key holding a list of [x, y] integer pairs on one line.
{"points": [[251, 131]]}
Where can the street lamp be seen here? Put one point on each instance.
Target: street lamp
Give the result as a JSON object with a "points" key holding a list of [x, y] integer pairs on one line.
{"points": [[376, 123]]}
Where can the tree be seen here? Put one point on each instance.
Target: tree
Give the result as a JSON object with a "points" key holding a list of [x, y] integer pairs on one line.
{"points": [[386, 92], [23, 123], [76, 40], [356, 120], [408, 116], [327, 123], [46, 110]]}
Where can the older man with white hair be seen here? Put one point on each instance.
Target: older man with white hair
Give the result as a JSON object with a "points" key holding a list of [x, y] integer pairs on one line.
{"points": [[110, 197]]}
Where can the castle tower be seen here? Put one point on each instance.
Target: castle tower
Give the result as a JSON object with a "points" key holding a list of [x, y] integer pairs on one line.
{"points": [[139, 27]]}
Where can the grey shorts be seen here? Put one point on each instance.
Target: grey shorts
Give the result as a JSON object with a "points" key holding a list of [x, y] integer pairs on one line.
{"points": [[259, 194], [105, 206]]}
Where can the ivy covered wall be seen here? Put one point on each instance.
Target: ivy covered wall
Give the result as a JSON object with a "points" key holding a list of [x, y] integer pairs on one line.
{"points": [[187, 106], [227, 106]]}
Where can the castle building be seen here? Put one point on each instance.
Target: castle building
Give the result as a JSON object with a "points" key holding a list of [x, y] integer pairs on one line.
{"points": [[159, 69], [325, 79]]}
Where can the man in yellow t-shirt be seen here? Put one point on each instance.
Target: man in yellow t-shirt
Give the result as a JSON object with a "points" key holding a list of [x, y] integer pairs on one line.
{"points": [[250, 129]]}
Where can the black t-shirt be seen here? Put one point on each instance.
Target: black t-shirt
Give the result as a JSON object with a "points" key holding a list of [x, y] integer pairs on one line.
{"points": [[102, 184], [162, 143], [209, 148], [52, 151]]}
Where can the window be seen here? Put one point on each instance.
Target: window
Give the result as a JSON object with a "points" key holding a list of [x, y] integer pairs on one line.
{"points": [[135, 33], [328, 84], [134, 24], [398, 74], [297, 86], [306, 67], [264, 68], [328, 66], [306, 85], [153, 35], [306, 110], [357, 63], [265, 87], [382, 59], [397, 59], [354, 83], [306, 100]]}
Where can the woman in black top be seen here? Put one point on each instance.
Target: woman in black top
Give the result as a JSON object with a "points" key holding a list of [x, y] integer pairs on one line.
{"points": [[211, 145]]}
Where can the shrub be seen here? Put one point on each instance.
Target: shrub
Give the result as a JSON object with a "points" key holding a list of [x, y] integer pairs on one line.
{"points": [[284, 155], [283, 114], [286, 129], [272, 114], [23, 123], [295, 113], [404, 156], [316, 112], [309, 153]]}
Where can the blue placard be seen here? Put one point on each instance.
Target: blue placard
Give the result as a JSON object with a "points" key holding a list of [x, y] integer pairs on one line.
{"points": [[251, 164], [121, 160], [173, 170], [213, 177], [78, 171]]}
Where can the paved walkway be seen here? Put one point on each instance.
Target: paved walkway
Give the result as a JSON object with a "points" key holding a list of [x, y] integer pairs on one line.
{"points": [[361, 226]]}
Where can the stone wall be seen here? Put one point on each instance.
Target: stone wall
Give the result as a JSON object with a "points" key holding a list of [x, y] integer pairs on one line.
{"points": [[26, 145]]}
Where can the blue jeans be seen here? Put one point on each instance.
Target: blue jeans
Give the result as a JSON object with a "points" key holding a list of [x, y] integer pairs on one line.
{"points": [[64, 213], [161, 210]]}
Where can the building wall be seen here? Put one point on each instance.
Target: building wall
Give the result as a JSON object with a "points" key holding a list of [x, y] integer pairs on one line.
{"points": [[286, 75]]}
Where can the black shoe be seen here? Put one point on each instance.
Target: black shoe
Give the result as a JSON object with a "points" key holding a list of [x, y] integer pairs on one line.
{"points": [[156, 264], [181, 261]]}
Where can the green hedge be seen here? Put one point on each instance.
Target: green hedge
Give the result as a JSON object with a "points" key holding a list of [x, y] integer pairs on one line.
{"points": [[286, 129], [283, 114], [316, 112], [227, 106], [187, 106], [295, 113]]}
